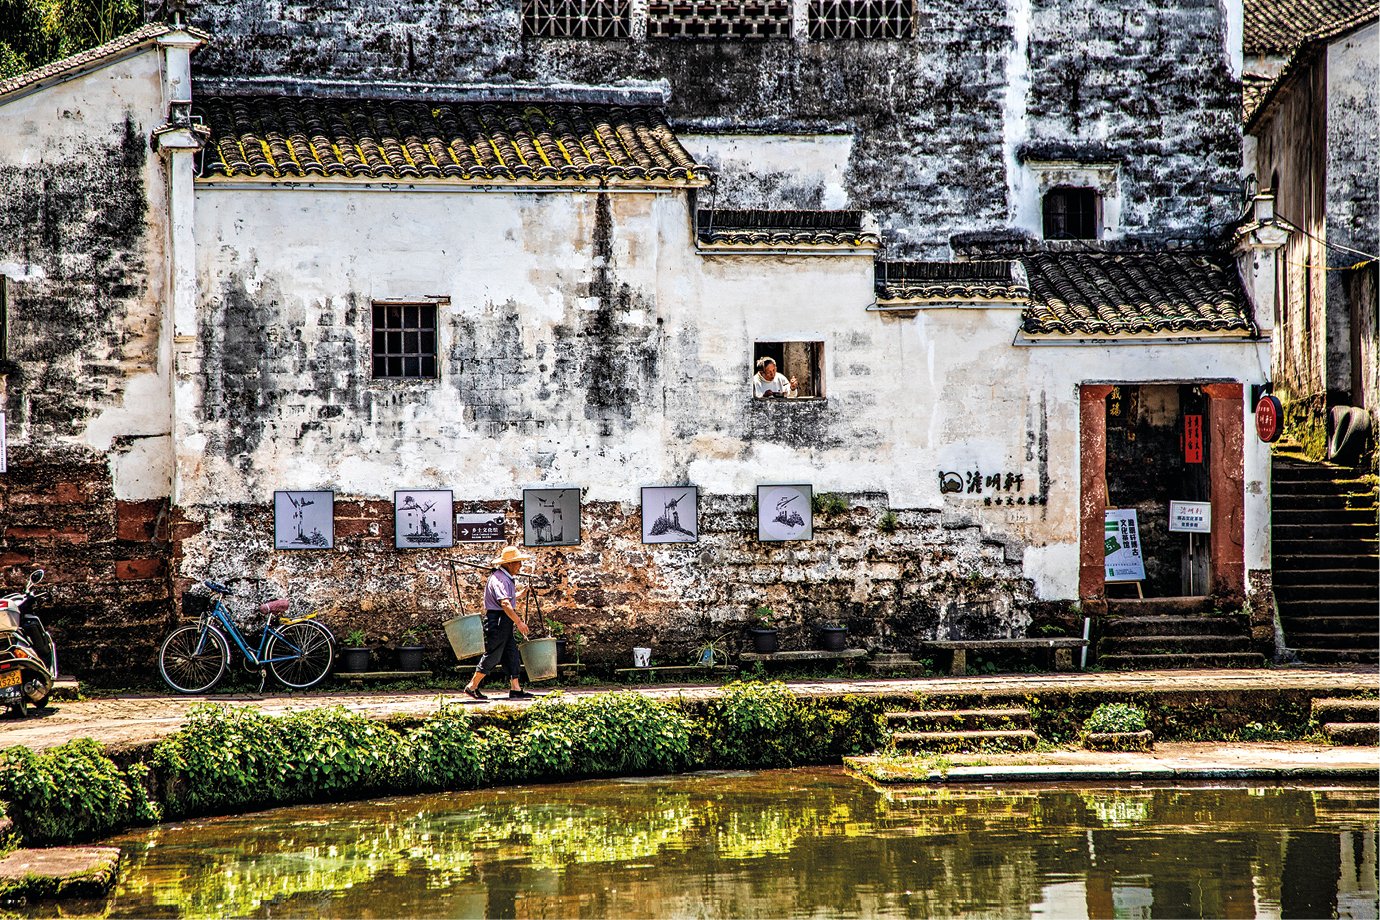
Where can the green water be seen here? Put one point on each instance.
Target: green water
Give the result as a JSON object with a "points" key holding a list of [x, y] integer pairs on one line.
{"points": [[816, 843]]}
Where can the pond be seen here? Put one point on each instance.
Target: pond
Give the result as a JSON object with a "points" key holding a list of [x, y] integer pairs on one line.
{"points": [[815, 842]]}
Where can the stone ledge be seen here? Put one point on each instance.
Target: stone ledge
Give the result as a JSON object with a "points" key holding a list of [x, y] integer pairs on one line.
{"points": [[58, 872], [804, 655], [1119, 741]]}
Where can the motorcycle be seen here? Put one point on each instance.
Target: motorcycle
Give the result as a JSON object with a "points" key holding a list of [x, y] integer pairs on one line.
{"points": [[28, 658]]}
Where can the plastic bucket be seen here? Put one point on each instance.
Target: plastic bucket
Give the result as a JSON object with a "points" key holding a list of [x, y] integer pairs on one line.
{"points": [[539, 658], [466, 635]]}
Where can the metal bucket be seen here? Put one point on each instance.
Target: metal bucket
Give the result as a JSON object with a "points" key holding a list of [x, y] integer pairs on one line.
{"points": [[539, 658], [466, 635]]}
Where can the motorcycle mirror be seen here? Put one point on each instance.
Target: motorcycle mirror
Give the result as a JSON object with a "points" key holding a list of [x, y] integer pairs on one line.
{"points": [[36, 577]]}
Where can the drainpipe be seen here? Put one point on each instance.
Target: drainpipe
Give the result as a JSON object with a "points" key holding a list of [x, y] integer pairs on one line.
{"points": [[177, 141]]}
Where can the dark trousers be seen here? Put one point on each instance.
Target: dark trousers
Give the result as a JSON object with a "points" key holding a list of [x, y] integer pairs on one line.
{"points": [[499, 645]]}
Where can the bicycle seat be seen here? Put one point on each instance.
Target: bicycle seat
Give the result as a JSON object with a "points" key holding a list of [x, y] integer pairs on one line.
{"points": [[273, 607], [219, 589]]}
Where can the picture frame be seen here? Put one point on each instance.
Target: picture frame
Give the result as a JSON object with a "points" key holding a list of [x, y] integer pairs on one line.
{"points": [[551, 517], [670, 514], [423, 519], [303, 519], [785, 513]]}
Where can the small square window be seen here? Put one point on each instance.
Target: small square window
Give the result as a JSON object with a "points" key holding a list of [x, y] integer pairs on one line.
{"points": [[404, 338], [1071, 214], [788, 370]]}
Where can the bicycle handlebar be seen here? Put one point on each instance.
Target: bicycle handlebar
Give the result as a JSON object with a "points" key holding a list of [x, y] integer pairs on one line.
{"points": [[218, 589]]}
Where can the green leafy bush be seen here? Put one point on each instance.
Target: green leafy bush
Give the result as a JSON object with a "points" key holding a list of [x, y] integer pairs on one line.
{"points": [[1115, 717], [763, 724], [71, 792], [609, 733], [444, 752]]}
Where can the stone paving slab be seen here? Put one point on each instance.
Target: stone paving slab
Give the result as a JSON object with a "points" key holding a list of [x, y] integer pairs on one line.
{"points": [[1172, 761], [58, 872], [135, 719]]}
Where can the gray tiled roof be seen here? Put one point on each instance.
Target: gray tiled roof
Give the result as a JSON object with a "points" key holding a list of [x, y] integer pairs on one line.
{"points": [[917, 282], [1280, 26], [765, 228], [1129, 294], [552, 143], [1254, 88]]}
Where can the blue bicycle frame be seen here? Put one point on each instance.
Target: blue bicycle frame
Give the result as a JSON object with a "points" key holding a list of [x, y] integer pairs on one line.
{"points": [[221, 615]]}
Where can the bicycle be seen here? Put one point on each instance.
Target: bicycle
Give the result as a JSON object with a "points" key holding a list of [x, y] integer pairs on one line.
{"points": [[193, 659]]}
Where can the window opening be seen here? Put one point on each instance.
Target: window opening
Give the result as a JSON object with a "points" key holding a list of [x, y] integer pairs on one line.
{"points": [[575, 18], [859, 19], [797, 372], [1071, 214], [405, 340], [715, 19]]}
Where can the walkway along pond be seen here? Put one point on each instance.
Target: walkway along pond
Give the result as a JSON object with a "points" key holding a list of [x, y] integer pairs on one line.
{"points": [[801, 842]]}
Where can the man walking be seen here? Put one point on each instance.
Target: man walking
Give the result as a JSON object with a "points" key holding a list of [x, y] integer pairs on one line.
{"points": [[500, 617]]}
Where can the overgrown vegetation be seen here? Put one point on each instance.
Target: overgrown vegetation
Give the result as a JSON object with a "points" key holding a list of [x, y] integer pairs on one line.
{"points": [[1115, 717], [35, 32], [233, 759]]}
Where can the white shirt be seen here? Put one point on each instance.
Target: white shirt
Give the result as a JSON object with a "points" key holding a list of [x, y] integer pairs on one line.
{"points": [[777, 384]]}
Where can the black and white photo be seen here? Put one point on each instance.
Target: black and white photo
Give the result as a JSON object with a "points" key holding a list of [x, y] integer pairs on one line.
{"points": [[551, 517], [303, 520], [670, 514], [422, 519], [785, 513]]}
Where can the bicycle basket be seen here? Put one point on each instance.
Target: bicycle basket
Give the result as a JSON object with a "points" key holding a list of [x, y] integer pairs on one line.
{"points": [[195, 605]]}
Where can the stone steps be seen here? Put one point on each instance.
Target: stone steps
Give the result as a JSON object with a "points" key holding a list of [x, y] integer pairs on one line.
{"points": [[1349, 721], [1331, 625], [1360, 641], [1172, 645], [895, 663], [1317, 577], [1328, 592], [1345, 517], [1158, 606], [1180, 661], [1332, 655], [962, 730], [1170, 626]]}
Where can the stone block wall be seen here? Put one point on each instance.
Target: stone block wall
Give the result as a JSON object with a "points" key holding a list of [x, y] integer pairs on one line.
{"points": [[933, 576]]}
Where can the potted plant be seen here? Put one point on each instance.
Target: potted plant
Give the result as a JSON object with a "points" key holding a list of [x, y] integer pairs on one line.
{"points": [[410, 652], [1117, 727], [832, 636], [354, 656], [763, 631], [556, 630], [711, 653]]}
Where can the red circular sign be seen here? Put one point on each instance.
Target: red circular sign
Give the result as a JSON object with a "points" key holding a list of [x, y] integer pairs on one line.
{"points": [[1269, 419]]}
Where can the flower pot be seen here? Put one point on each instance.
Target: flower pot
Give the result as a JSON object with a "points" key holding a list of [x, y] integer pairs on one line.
{"points": [[764, 641], [642, 657], [353, 660], [410, 657], [833, 638]]}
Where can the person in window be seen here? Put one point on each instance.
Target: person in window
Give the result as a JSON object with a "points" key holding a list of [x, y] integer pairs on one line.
{"points": [[768, 384]]}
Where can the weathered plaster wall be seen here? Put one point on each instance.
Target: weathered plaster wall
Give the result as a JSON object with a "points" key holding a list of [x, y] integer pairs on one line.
{"points": [[1353, 207], [936, 120], [587, 343], [87, 401]]}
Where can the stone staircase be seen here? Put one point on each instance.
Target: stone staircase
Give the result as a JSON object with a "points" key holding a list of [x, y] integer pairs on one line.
{"points": [[1348, 721], [961, 730], [1174, 632], [1326, 565]]}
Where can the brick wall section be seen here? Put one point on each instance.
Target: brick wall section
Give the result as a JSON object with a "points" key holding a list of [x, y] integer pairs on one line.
{"points": [[106, 562], [931, 577]]}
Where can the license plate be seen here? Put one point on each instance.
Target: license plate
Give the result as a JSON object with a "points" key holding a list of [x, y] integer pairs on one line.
{"points": [[11, 678]]}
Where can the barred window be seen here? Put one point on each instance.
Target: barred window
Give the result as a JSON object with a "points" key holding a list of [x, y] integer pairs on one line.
{"points": [[1071, 214], [575, 18], [853, 19], [713, 19], [405, 340]]}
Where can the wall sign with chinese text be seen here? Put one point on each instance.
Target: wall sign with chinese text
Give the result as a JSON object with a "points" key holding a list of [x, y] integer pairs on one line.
{"points": [[1193, 439], [1124, 561], [1000, 488], [1190, 517], [479, 528], [1269, 419]]}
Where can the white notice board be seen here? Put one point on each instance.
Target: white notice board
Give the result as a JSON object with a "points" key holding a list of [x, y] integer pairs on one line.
{"points": [[1124, 561], [1190, 517]]}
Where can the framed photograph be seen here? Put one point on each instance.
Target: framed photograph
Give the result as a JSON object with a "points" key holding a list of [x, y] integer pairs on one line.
{"points": [[479, 528], [303, 520], [550, 517], [670, 514], [785, 513], [423, 519]]}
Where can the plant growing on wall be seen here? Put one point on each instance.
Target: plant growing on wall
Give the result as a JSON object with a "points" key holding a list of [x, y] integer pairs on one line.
{"points": [[887, 523], [1115, 717]]}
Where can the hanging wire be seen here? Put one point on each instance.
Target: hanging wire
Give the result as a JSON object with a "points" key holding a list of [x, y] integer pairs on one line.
{"points": [[1338, 246]]}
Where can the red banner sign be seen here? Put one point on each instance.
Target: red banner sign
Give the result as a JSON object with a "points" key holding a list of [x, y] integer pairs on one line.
{"points": [[1193, 439]]}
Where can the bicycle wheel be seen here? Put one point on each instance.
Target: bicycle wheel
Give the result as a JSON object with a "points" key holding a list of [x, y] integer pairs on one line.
{"points": [[306, 650], [190, 664]]}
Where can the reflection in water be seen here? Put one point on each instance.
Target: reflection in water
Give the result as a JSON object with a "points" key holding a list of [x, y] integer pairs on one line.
{"points": [[781, 843]]}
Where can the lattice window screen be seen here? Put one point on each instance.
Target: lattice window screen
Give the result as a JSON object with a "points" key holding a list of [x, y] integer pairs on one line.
{"points": [[714, 19], [575, 18], [851, 19]]}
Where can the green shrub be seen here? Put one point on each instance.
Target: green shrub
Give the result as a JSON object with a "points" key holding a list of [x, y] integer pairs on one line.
{"points": [[1115, 717], [763, 724], [69, 793], [609, 733], [334, 754], [444, 752]]}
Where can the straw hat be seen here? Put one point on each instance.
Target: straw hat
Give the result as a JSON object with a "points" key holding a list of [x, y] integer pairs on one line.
{"points": [[510, 554]]}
